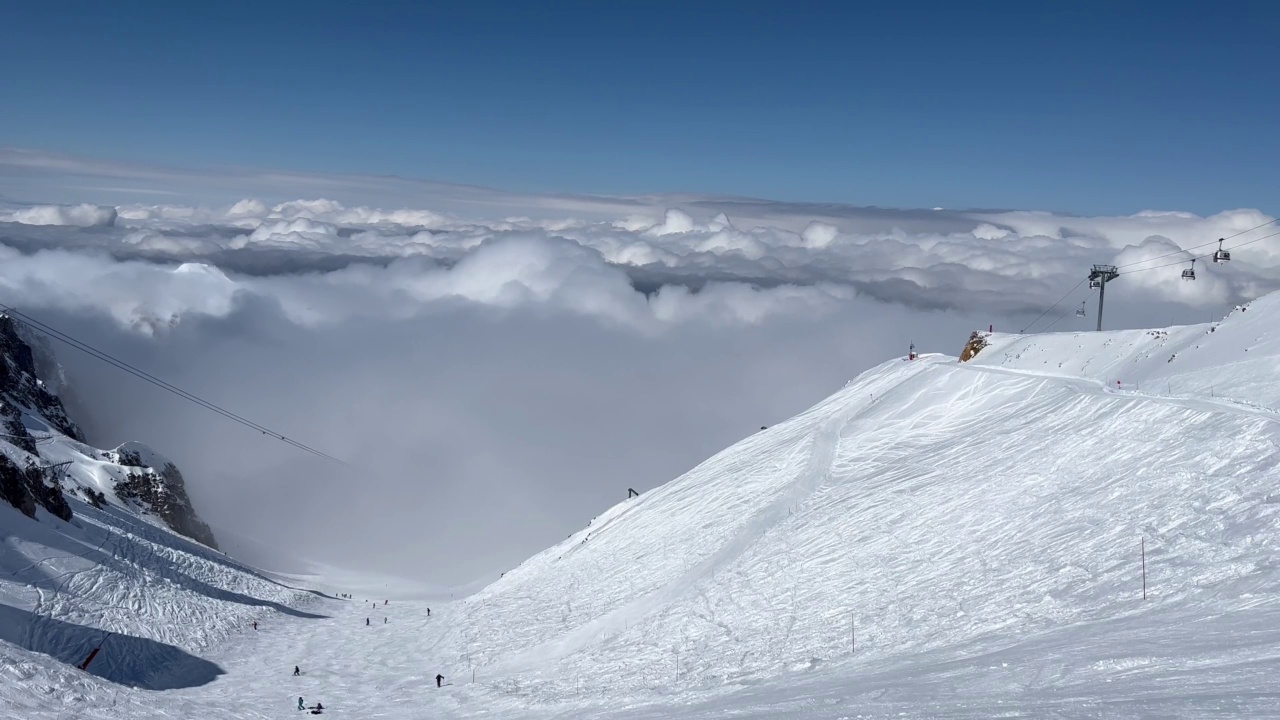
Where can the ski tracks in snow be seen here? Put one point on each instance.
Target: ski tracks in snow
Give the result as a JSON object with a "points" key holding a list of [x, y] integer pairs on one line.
{"points": [[815, 472]]}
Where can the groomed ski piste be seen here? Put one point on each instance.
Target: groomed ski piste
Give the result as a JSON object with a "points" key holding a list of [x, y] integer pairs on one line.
{"points": [[935, 540]]}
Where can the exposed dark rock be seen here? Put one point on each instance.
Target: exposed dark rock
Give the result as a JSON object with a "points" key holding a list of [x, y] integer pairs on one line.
{"points": [[11, 427], [977, 341], [94, 497], [20, 384], [30, 379], [158, 485], [25, 488]]}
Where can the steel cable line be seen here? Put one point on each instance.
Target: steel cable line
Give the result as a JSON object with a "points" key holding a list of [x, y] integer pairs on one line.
{"points": [[147, 377], [1201, 257], [1158, 267], [1198, 246], [1046, 312], [1055, 322]]}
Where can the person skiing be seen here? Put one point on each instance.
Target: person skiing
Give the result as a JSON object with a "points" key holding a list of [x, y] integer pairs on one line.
{"points": [[384, 621], [439, 679], [296, 671], [300, 705], [255, 624], [366, 621], [384, 602], [319, 708], [428, 612]]}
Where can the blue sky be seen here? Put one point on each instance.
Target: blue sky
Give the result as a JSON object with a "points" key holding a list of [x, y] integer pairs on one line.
{"points": [[1082, 107]]}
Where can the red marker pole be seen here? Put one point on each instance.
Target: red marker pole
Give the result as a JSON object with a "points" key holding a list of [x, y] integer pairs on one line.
{"points": [[85, 665]]}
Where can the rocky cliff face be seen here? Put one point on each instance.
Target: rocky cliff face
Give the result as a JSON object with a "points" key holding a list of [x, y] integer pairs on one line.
{"points": [[36, 437], [156, 483], [20, 384]]}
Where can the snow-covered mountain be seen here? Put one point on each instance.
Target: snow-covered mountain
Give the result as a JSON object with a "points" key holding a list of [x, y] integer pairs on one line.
{"points": [[43, 454], [102, 549], [1065, 525]]}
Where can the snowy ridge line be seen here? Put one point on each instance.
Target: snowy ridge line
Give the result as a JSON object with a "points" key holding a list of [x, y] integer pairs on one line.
{"points": [[1229, 405]]}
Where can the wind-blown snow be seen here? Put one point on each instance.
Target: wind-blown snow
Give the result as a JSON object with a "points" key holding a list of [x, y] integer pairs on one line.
{"points": [[978, 526]]}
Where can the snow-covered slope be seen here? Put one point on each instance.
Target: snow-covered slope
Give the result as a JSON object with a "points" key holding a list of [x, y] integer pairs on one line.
{"points": [[928, 506], [1234, 360], [985, 531], [88, 546]]}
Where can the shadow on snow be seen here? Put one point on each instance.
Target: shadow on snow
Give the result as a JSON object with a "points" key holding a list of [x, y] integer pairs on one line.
{"points": [[124, 659]]}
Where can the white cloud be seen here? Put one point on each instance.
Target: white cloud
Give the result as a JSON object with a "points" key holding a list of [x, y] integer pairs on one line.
{"points": [[1006, 262], [83, 215], [475, 345], [819, 234], [676, 221]]}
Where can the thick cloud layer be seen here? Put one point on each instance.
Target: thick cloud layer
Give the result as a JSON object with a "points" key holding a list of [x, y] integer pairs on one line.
{"points": [[992, 262], [501, 368]]}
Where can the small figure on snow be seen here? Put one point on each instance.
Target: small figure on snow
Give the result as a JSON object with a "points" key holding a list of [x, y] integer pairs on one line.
{"points": [[319, 708], [439, 679], [384, 621], [366, 621], [300, 705], [384, 602], [296, 671], [428, 612], [255, 624]]}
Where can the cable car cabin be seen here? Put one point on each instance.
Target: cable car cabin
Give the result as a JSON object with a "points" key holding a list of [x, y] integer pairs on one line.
{"points": [[1190, 273], [1221, 255], [1081, 313], [1095, 284]]}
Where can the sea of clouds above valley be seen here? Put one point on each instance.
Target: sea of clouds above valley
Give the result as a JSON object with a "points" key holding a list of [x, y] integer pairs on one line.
{"points": [[324, 261], [522, 359]]}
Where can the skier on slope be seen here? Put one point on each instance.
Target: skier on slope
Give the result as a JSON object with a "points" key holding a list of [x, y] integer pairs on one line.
{"points": [[439, 679], [366, 621], [300, 705], [296, 671]]}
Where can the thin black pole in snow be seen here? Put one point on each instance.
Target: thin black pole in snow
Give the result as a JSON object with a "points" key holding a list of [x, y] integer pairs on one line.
{"points": [[1144, 568]]}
